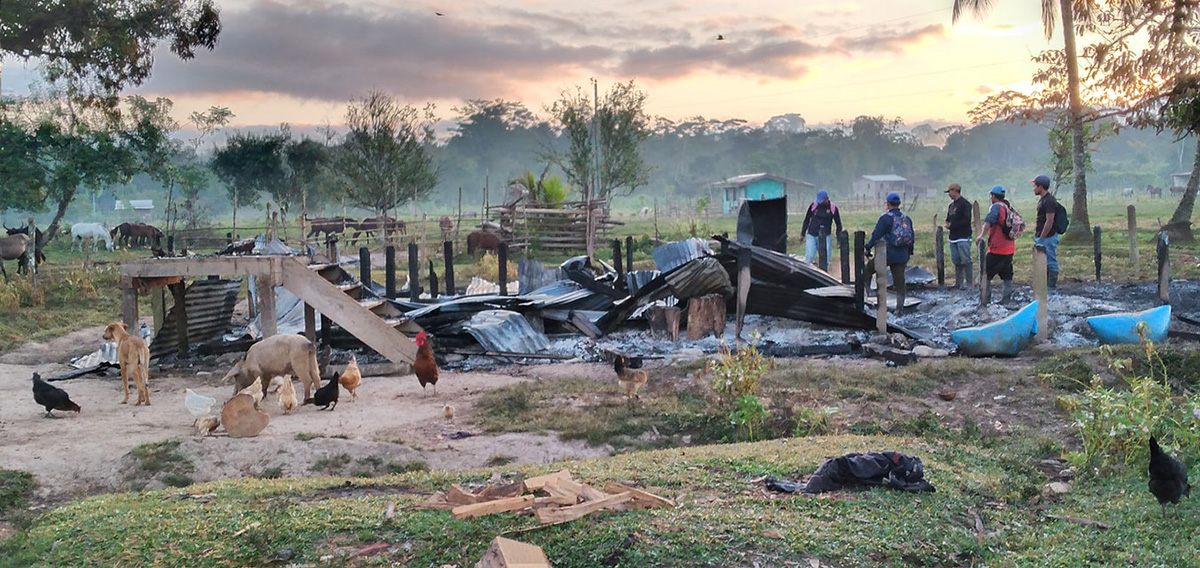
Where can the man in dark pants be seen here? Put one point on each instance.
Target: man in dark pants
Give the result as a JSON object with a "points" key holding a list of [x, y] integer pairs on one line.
{"points": [[1043, 233], [958, 222], [1000, 248], [818, 223], [894, 228]]}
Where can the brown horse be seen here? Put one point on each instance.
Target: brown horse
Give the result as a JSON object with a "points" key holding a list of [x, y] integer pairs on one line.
{"points": [[447, 226], [390, 225], [137, 234], [1154, 191], [480, 241], [1178, 190], [327, 225]]}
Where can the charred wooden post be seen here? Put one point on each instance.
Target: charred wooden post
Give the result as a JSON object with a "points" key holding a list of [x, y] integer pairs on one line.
{"points": [[331, 245], [843, 240], [448, 253], [433, 281], [171, 245], [975, 215], [629, 253], [939, 236], [389, 268], [1096, 250], [706, 314], [822, 250], [664, 321], [502, 268], [743, 287], [228, 238], [326, 330], [179, 294], [1041, 293], [985, 286], [881, 269], [364, 266], [310, 324], [860, 282], [1131, 211], [1164, 268], [617, 260], [414, 272]]}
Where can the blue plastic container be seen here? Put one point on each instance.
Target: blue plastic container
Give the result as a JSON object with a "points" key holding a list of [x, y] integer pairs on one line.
{"points": [[1122, 328], [1006, 337]]}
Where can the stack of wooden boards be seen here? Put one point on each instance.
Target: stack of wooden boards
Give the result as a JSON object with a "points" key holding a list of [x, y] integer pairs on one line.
{"points": [[554, 498]]}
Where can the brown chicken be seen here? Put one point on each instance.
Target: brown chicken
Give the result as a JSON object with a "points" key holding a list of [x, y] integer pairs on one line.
{"points": [[425, 366], [287, 395], [351, 378], [630, 379]]}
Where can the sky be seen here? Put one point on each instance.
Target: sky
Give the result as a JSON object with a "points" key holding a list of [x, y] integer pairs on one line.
{"points": [[301, 61]]}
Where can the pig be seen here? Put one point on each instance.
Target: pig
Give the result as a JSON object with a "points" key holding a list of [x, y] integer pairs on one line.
{"points": [[277, 355]]}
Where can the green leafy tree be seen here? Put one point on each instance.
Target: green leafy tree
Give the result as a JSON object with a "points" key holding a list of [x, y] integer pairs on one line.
{"points": [[620, 127], [383, 159], [251, 164]]}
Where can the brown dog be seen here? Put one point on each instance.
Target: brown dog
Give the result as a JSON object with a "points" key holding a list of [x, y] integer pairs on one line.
{"points": [[134, 357]]}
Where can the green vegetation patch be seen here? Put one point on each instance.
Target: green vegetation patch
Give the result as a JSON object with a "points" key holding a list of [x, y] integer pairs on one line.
{"points": [[15, 486]]}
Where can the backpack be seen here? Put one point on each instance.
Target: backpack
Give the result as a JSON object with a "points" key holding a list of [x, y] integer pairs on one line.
{"points": [[1061, 221], [902, 231], [1014, 225], [832, 208]]}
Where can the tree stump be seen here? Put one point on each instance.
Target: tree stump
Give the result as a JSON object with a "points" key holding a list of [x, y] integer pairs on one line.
{"points": [[706, 314], [242, 418], [664, 321]]}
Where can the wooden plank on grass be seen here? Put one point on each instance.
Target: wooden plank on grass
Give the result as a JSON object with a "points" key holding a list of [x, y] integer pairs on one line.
{"points": [[493, 492], [590, 493], [565, 514], [639, 495], [460, 496], [536, 483], [492, 507]]}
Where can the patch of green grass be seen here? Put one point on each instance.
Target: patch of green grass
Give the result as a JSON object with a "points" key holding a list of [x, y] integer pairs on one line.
{"points": [[332, 464], [407, 466], [65, 298], [159, 457], [15, 486], [499, 460], [273, 472]]}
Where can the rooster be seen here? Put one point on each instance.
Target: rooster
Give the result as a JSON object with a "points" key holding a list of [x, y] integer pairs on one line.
{"points": [[351, 378], [1168, 478], [51, 397], [287, 395], [424, 365], [630, 379]]}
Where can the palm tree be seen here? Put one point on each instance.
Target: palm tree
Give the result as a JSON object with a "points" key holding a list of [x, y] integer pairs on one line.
{"points": [[1080, 225]]}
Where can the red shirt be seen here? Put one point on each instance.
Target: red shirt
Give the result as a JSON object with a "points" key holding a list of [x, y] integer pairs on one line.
{"points": [[998, 242]]}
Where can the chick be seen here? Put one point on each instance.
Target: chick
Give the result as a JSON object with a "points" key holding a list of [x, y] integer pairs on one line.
{"points": [[448, 413]]}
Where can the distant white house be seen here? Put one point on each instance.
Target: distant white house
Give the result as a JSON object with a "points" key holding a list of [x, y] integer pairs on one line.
{"points": [[1180, 179], [143, 208]]}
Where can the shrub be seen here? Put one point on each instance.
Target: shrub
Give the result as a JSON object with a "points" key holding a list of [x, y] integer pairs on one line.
{"points": [[736, 379]]}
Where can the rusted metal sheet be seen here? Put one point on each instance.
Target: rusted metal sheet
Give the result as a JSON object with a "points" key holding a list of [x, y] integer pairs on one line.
{"points": [[505, 331], [209, 306]]}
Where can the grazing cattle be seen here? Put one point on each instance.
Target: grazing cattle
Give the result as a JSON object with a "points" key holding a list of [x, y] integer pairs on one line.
{"points": [[480, 241], [1154, 191], [94, 231], [12, 247], [391, 226], [447, 226], [1177, 190]]}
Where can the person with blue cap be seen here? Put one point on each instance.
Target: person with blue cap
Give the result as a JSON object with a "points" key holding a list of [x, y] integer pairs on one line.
{"points": [[818, 225], [896, 229], [1000, 247], [1044, 233]]}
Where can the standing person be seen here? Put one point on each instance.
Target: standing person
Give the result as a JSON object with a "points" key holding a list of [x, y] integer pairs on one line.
{"points": [[896, 229], [1043, 232], [958, 222], [1000, 248], [821, 216]]}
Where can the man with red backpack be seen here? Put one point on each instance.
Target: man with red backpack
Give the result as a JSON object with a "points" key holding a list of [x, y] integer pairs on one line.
{"points": [[1000, 246], [896, 229], [818, 224]]}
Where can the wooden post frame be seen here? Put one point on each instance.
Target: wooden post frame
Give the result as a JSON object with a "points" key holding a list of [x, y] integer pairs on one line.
{"points": [[389, 268], [364, 266], [1096, 250], [502, 267], [1164, 268], [843, 240], [448, 274], [414, 272], [860, 268], [822, 250], [266, 305], [179, 294]]}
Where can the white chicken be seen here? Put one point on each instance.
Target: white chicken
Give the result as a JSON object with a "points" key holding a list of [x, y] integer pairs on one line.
{"points": [[197, 404]]}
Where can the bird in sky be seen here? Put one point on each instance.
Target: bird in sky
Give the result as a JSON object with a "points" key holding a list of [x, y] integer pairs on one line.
{"points": [[720, 37], [439, 13]]}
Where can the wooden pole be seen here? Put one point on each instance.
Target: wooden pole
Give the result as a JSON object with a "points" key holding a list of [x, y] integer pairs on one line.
{"points": [[179, 294], [860, 284], [822, 250], [310, 324], [448, 250], [502, 267], [1096, 250], [433, 281], [881, 268], [459, 222], [389, 269], [1041, 293], [331, 241], [171, 245], [364, 266], [1131, 212], [1164, 268], [975, 215], [617, 260], [985, 286], [743, 286], [629, 253], [266, 305], [414, 272], [844, 252], [129, 305], [939, 237]]}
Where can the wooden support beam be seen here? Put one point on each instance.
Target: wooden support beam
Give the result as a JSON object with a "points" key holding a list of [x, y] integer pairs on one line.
{"points": [[1164, 268], [266, 305], [860, 281], [985, 284], [158, 307], [389, 269], [843, 240], [310, 324], [492, 507], [179, 294], [743, 287], [939, 237], [364, 266], [502, 267], [822, 250], [629, 253], [414, 272], [448, 274], [565, 514], [1096, 250], [537, 482], [129, 306], [1131, 211]]}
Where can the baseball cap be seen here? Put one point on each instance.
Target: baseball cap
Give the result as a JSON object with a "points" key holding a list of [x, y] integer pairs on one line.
{"points": [[953, 187], [1042, 180], [822, 196], [998, 189], [893, 198]]}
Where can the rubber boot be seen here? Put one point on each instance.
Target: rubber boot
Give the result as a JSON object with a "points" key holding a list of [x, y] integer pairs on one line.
{"points": [[1052, 279], [970, 272], [958, 277], [1006, 292]]}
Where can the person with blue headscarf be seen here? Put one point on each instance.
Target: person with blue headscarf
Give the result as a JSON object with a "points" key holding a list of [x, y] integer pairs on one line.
{"points": [[818, 225]]}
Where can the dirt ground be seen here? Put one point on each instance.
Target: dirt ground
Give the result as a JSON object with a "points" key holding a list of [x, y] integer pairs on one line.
{"points": [[392, 422]]}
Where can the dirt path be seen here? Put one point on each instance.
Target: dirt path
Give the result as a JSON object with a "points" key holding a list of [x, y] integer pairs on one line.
{"points": [[391, 425]]}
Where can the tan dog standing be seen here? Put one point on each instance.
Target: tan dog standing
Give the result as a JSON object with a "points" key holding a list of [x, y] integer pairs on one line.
{"points": [[134, 357]]}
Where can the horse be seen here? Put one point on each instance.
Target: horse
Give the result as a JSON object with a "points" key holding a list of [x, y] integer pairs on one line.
{"points": [[447, 226], [327, 225], [1127, 192], [1154, 191], [12, 247], [137, 234], [390, 225], [38, 256], [1178, 190], [94, 231], [480, 241]]}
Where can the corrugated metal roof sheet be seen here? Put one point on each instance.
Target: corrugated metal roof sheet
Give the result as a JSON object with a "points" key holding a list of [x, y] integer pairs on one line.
{"points": [[638, 278], [887, 177], [209, 305], [671, 255], [778, 268], [746, 179], [505, 331], [700, 277]]}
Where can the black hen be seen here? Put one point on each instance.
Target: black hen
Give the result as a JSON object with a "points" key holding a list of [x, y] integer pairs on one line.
{"points": [[325, 396], [51, 397], [1168, 478]]}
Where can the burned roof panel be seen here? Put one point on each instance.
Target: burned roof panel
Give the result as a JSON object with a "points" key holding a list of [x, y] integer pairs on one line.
{"points": [[505, 331], [671, 255]]}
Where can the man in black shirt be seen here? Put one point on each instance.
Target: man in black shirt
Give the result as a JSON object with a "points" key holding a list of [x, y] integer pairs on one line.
{"points": [[1043, 233], [958, 222]]}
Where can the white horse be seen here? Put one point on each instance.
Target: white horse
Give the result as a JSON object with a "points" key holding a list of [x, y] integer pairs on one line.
{"points": [[94, 231]]}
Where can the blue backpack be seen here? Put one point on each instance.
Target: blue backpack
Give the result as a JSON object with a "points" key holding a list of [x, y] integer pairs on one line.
{"points": [[902, 230]]}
